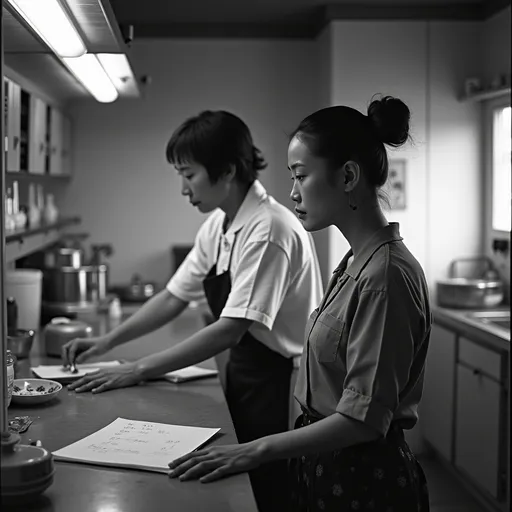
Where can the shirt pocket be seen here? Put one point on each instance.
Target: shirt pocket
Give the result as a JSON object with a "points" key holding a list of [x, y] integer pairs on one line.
{"points": [[325, 337]]}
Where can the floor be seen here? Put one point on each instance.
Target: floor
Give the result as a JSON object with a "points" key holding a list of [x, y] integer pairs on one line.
{"points": [[446, 493]]}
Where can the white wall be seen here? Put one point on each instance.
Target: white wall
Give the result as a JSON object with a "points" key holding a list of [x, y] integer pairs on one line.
{"points": [[387, 57], [124, 189]]}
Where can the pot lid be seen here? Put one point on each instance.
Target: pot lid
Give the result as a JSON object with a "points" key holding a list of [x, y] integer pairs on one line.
{"points": [[65, 325], [472, 283]]}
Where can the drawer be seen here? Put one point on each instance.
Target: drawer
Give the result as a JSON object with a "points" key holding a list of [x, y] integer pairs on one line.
{"points": [[480, 358]]}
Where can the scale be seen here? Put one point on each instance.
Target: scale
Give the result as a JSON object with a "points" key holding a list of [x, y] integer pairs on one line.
{"points": [[26, 471]]}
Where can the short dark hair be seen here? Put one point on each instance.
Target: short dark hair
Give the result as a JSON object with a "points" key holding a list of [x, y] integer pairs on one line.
{"points": [[216, 140], [340, 134]]}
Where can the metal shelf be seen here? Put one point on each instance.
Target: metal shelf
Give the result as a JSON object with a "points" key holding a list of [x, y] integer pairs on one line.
{"points": [[487, 95], [42, 229]]}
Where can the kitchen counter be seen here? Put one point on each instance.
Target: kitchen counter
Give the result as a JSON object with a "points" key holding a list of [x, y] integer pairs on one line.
{"points": [[72, 416], [458, 320]]}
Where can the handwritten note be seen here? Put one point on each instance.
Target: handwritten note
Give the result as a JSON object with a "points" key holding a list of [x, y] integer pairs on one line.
{"points": [[136, 444]]}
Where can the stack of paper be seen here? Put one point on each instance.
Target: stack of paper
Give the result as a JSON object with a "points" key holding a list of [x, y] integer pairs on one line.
{"points": [[190, 373], [136, 444], [57, 372]]}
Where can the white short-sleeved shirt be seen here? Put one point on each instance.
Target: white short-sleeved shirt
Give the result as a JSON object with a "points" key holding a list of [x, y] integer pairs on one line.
{"points": [[275, 276]]}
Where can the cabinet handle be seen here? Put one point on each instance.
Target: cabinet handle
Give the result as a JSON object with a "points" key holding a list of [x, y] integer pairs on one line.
{"points": [[15, 141]]}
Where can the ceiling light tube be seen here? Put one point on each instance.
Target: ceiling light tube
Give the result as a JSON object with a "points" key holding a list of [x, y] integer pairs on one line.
{"points": [[117, 67], [88, 71], [51, 22]]}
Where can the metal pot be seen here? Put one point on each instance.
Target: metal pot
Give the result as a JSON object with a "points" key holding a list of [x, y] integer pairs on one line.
{"points": [[61, 330], [482, 291], [19, 342], [137, 291], [86, 284], [463, 293]]}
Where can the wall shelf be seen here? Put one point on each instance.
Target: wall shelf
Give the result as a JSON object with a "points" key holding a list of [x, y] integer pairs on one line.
{"points": [[487, 95], [39, 178], [26, 241]]}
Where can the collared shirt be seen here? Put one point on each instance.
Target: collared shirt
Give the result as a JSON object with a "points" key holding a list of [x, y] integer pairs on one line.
{"points": [[275, 276], [367, 342]]}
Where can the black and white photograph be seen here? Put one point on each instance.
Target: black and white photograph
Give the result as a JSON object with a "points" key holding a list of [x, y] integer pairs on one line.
{"points": [[255, 255]]}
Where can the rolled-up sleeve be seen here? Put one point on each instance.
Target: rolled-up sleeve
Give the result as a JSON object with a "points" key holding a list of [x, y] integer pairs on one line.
{"points": [[260, 283], [187, 282], [379, 354]]}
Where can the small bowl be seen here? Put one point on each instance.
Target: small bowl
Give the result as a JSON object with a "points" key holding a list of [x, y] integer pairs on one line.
{"points": [[34, 391], [19, 342]]}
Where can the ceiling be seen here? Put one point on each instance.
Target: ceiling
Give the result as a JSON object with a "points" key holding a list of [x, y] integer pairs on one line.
{"points": [[280, 18]]}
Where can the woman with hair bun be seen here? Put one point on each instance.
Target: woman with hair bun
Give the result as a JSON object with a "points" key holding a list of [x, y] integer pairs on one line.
{"points": [[361, 375]]}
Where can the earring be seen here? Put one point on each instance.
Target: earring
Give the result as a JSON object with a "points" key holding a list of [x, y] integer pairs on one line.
{"points": [[352, 206]]}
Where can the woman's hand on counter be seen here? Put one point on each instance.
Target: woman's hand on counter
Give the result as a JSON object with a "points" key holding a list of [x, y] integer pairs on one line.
{"points": [[121, 376], [81, 349], [217, 462]]}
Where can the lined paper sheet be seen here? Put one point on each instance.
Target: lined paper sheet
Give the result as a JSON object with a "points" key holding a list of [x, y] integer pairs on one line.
{"points": [[189, 373], [136, 444], [56, 372]]}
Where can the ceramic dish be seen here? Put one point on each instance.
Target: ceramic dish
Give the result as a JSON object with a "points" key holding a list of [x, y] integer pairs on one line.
{"points": [[34, 391]]}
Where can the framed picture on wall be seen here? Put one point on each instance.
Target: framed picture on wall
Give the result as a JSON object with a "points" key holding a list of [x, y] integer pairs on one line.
{"points": [[396, 184]]}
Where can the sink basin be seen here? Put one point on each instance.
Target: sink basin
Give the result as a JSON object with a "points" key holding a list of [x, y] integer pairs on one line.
{"points": [[500, 319]]}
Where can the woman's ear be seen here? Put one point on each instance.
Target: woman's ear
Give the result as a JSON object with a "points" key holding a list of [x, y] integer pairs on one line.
{"points": [[351, 175]]}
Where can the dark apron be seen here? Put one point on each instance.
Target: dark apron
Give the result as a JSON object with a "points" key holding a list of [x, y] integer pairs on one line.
{"points": [[379, 475], [257, 394]]}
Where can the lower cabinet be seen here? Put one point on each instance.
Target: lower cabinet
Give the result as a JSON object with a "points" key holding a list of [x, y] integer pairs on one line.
{"points": [[478, 428], [464, 411]]}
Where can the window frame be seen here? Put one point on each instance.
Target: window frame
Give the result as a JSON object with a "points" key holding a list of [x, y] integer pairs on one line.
{"points": [[490, 107]]}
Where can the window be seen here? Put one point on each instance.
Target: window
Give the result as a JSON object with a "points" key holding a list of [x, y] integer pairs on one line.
{"points": [[501, 159]]}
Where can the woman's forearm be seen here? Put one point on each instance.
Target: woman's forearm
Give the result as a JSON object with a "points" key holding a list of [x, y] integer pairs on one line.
{"points": [[332, 433], [155, 313], [206, 343]]}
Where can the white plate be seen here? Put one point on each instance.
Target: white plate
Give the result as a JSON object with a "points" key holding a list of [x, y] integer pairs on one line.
{"points": [[34, 391]]}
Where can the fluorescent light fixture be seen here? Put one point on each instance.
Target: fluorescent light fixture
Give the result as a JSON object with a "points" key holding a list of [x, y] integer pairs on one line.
{"points": [[51, 22], [88, 70], [117, 67]]}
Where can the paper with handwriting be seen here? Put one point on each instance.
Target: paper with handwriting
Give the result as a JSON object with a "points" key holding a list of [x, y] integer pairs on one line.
{"points": [[136, 444], [56, 372]]}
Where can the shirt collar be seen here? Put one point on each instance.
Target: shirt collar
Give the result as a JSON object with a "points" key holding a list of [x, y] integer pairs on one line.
{"points": [[254, 197], [385, 235]]}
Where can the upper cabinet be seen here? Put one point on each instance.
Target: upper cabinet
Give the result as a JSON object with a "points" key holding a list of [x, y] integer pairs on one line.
{"points": [[38, 135]]}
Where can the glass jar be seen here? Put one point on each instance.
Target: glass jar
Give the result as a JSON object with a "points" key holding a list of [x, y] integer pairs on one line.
{"points": [[10, 361]]}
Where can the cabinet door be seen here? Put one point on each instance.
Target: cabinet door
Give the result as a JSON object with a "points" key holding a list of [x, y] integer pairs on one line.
{"points": [[478, 427], [56, 144], [13, 127], [437, 404], [37, 136], [67, 134]]}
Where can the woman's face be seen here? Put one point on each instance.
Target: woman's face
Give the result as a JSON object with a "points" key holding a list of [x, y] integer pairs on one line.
{"points": [[317, 190], [196, 185]]}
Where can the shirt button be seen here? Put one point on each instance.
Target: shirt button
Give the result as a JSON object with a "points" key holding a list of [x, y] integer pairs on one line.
{"points": [[226, 245]]}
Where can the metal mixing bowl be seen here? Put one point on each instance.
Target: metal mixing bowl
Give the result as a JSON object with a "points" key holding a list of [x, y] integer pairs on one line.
{"points": [[19, 342]]}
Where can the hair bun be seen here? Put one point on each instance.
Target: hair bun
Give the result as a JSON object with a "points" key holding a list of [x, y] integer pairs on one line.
{"points": [[390, 119]]}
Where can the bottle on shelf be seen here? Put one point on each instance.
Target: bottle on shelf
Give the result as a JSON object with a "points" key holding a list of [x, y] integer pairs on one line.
{"points": [[10, 225], [20, 219], [51, 213], [34, 215]]}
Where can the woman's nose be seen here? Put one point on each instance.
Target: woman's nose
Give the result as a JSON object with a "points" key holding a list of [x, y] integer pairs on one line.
{"points": [[294, 194]]}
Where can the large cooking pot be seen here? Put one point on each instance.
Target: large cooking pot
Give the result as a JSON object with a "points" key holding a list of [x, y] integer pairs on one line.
{"points": [[483, 291], [85, 284], [61, 330]]}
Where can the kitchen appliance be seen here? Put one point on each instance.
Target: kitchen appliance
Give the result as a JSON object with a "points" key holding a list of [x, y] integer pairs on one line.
{"points": [[19, 342], [483, 290], [61, 330], [71, 284], [137, 291]]}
